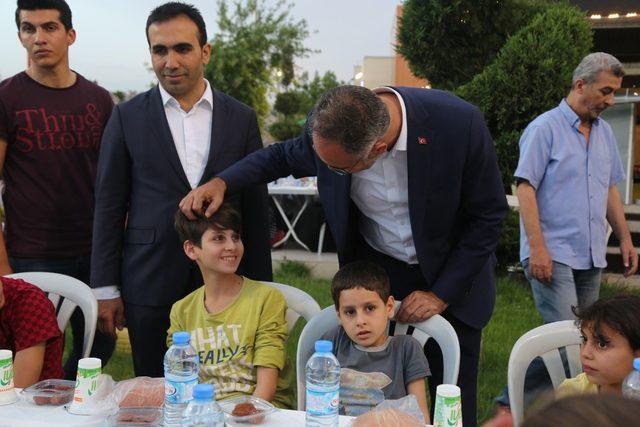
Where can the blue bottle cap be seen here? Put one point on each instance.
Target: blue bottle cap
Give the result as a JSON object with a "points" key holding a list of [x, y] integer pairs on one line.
{"points": [[181, 337], [203, 392], [636, 363], [323, 346]]}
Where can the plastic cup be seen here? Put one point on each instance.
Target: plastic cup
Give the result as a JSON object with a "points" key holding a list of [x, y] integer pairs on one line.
{"points": [[448, 408], [89, 370], [7, 391]]}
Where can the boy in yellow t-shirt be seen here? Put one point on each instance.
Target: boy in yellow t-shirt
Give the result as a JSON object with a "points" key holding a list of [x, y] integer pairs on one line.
{"points": [[237, 325]]}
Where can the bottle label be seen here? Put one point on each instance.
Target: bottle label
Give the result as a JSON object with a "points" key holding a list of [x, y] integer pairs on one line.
{"points": [[179, 391], [325, 402], [6, 375], [86, 384], [447, 412]]}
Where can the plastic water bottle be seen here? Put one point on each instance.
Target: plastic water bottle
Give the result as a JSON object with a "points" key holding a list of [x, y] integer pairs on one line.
{"points": [[180, 377], [631, 384], [203, 411], [323, 387]]}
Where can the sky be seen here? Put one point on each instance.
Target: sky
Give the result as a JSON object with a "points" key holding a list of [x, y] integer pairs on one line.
{"points": [[111, 46]]}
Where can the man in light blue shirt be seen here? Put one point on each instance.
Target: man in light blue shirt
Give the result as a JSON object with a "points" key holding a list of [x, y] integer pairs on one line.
{"points": [[566, 176]]}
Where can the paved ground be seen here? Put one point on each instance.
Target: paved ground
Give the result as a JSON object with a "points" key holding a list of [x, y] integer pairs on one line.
{"points": [[619, 279], [323, 266]]}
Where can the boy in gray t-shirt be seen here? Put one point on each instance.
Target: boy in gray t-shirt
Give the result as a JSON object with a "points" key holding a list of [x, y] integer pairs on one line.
{"points": [[374, 366]]}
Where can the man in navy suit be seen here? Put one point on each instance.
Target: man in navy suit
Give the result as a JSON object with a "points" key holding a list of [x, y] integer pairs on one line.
{"points": [[408, 178], [156, 148]]}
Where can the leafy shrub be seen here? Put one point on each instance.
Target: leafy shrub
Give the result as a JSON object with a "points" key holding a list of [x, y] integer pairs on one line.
{"points": [[508, 250], [450, 41], [530, 75]]}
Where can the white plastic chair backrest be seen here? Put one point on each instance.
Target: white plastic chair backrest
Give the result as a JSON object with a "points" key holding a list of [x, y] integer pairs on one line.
{"points": [[544, 341], [299, 303], [437, 327], [73, 292]]}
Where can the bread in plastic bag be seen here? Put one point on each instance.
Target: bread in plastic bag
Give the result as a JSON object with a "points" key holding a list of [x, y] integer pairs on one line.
{"points": [[404, 412], [386, 418], [139, 392]]}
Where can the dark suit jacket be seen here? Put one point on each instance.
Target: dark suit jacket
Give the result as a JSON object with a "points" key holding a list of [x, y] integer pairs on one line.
{"points": [[456, 197], [140, 182]]}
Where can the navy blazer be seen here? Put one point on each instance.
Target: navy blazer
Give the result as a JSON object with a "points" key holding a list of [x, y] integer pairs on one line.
{"points": [[456, 197], [140, 182]]}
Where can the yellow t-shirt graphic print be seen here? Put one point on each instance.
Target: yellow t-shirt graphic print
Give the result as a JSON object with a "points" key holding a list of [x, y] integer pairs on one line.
{"points": [[250, 332]]}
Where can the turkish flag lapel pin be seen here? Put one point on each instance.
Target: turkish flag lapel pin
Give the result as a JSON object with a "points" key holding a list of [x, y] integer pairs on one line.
{"points": [[422, 140]]}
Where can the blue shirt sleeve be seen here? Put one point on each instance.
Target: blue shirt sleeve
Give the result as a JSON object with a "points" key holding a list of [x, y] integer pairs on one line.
{"points": [[617, 171], [535, 152]]}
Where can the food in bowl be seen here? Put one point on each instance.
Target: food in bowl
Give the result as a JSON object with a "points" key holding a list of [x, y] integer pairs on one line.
{"points": [[248, 410], [50, 392], [243, 410]]}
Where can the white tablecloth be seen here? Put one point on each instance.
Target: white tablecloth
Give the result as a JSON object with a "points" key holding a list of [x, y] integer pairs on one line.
{"points": [[25, 414], [310, 190]]}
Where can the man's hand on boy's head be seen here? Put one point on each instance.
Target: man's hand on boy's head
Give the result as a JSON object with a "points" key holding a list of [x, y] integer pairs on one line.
{"points": [[211, 192], [110, 316], [419, 306]]}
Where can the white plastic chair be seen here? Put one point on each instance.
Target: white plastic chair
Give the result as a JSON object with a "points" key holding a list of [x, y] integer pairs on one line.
{"points": [[544, 341], [74, 293], [436, 327], [299, 303]]}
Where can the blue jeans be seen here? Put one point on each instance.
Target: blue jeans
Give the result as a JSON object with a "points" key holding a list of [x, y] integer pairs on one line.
{"points": [[568, 288], [103, 345]]}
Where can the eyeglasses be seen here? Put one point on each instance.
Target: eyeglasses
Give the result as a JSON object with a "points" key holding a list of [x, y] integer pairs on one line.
{"points": [[344, 171], [341, 171]]}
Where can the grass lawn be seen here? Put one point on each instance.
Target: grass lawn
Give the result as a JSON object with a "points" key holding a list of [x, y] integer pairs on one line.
{"points": [[514, 314]]}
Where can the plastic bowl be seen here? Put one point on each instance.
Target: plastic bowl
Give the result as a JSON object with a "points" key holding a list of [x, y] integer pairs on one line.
{"points": [[137, 417], [50, 392], [264, 410]]}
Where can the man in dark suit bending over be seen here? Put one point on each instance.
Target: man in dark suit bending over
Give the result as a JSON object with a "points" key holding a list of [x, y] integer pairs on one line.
{"points": [[408, 178], [156, 148]]}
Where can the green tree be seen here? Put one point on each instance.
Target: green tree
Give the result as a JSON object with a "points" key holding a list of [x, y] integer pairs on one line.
{"points": [[292, 106], [450, 41], [255, 48], [119, 95], [531, 74]]}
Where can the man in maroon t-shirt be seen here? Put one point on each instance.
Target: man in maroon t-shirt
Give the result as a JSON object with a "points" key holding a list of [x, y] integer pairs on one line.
{"points": [[51, 124], [29, 328]]}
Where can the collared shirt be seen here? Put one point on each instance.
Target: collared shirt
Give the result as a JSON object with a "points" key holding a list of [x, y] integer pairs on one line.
{"points": [[380, 193], [572, 181], [191, 131]]}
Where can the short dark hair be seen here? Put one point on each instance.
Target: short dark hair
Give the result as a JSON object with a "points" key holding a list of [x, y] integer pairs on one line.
{"points": [[168, 11], [227, 217], [360, 274], [59, 5], [620, 313], [353, 116], [602, 410]]}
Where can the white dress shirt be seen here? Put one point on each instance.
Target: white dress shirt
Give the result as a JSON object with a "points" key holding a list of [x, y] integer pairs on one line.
{"points": [[191, 133], [380, 193]]}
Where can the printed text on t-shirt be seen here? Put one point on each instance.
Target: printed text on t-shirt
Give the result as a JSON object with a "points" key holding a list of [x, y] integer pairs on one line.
{"points": [[36, 129]]}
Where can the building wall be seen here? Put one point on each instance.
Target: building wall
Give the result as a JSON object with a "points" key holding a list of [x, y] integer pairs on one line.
{"points": [[377, 71], [403, 75]]}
